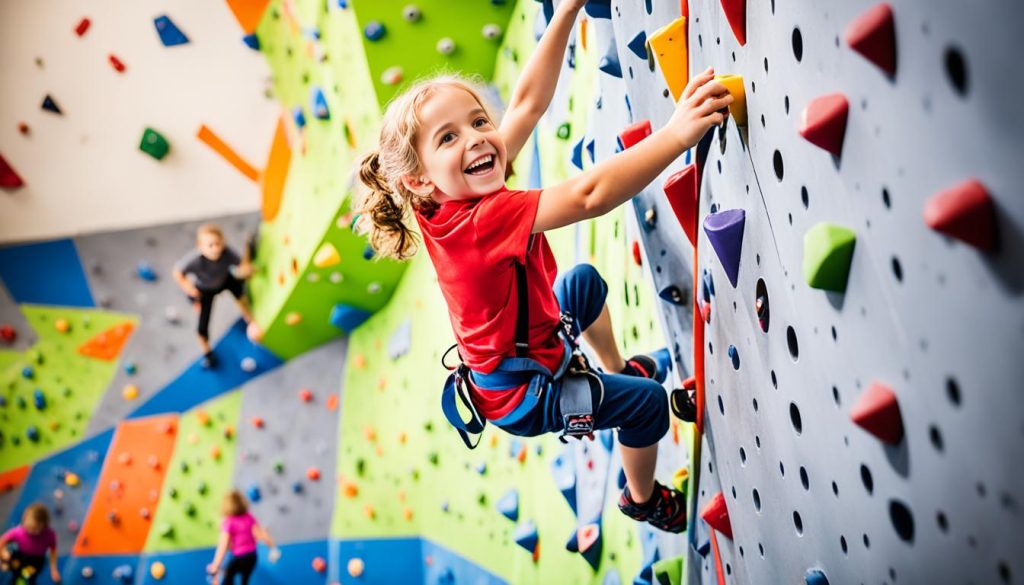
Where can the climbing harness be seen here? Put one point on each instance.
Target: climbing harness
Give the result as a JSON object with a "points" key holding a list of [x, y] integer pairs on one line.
{"points": [[582, 391]]}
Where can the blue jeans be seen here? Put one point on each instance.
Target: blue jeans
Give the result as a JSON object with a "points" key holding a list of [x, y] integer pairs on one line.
{"points": [[638, 407]]}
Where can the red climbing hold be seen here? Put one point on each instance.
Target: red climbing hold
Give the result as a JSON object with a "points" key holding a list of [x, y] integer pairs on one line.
{"points": [[8, 178], [635, 133], [736, 14], [117, 64], [878, 413], [717, 515], [83, 25], [965, 212], [306, 395], [681, 190], [690, 383], [313, 474], [8, 334], [637, 259], [824, 122], [873, 35]]}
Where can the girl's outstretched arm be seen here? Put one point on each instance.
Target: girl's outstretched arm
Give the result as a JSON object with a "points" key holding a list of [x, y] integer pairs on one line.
{"points": [[536, 85], [617, 179]]}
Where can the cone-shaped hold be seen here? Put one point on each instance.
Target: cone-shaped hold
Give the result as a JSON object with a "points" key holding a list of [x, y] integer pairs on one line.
{"points": [[326, 256], [725, 232], [681, 190], [634, 133], [526, 536], [824, 122], [680, 479], [639, 45], [577, 155], [9, 179], [668, 44], [508, 505], [170, 34], [965, 212], [154, 144], [591, 543], [564, 472], [877, 412], [828, 253], [319, 104], [704, 547], [590, 150], [736, 14], [716, 514], [673, 294], [738, 107], [668, 571], [873, 35], [50, 105], [348, 318], [573, 544], [593, 8], [815, 577], [609, 62], [252, 41]]}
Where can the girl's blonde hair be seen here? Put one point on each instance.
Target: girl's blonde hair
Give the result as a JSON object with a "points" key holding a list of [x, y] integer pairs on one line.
{"points": [[234, 504], [386, 204]]}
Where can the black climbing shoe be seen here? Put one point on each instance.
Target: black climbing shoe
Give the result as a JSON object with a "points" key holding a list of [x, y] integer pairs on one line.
{"points": [[642, 366], [209, 361], [683, 405], [666, 510]]}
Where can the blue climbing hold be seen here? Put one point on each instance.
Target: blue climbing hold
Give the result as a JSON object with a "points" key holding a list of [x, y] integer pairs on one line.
{"points": [[254, 494], [32, 433], [564, 471], [573, 544], [704, 548], [299, 116], [252, 41], [319, 104], [725, 232], [312, 33], [482, 469], [621, 482], [170, 34], [577, 155], [639, 45], [343, 4], [40, 399], [297, 488], [590, 150], [51, 106], [374, 30], [526, 536], [590, 541], [124, 574], [609, 63], [734, 356], [348, 318], [368, 252], [598, 8], [612, 578], [28, 373], [130, 368], [607, 438], [145, 271], [815, 577], [508, 505]]}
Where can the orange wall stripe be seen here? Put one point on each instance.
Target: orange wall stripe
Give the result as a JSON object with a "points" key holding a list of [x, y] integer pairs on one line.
{"points": [[12, 478], [248, 13], [213, 141], [276, 171]]}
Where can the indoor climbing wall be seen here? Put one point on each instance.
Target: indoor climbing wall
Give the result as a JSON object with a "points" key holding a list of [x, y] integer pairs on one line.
{"points": [[845, 245]]}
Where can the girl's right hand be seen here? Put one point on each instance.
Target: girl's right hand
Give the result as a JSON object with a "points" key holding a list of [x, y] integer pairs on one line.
{"points": [[698, 108]]}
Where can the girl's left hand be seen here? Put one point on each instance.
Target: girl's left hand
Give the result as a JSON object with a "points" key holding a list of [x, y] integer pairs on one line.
{"points": [[54, 575], [211, 569], [574, 5]]}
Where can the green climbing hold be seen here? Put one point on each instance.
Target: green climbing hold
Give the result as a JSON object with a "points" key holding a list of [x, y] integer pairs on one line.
{"points": [[279, 467], [668, 571], [165, 530], [154, 144], [828, 252], [191, 510], [564, 130]]}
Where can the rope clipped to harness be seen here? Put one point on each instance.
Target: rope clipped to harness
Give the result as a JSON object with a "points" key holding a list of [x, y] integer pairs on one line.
{"points": [[455, 386]]}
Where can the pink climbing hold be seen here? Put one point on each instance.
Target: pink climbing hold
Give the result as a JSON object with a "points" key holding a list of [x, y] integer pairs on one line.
{"points": [[873, 35], [878, 412], [736, 14], [965, 212], [824, 122], [634, 133], [681, 190], [306, 395], [313, 474], [716, 514], [319, 565]]}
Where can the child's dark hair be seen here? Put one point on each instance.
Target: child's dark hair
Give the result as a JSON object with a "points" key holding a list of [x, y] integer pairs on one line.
{"points": [[38, 513], [235, 504], [387, 202]]}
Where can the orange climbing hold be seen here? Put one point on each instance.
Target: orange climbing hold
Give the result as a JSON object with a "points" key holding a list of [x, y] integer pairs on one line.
{"points": [[716, 514], [878, 412], [681, 190], [824, 122], [275, 172], [108, 344], [313, 474], [736, 14], [965, 212], [208, 136], [873, 35], [332, 402]]}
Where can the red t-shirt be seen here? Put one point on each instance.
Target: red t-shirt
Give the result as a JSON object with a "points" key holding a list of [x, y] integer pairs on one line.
{"points": [[474, 245]]}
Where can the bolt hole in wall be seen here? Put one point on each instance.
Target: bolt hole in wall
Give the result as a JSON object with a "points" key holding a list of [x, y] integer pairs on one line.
{"points": [[956, 70], [761, 305]]}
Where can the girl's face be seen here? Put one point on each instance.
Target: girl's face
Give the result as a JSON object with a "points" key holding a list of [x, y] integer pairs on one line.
{"points": [[459, 147]]}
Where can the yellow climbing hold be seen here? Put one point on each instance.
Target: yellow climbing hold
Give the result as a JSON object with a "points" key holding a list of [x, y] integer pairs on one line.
{"points": [[355, 567], [293, 319], [62, 325], [679, 479], [326, 256], [130, 392], [668, 44], [738, 109], [157, 570], [71, 479]]}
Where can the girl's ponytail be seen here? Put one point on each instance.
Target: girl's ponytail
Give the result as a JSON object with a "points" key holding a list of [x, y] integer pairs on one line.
{"points": [[388, 234]]}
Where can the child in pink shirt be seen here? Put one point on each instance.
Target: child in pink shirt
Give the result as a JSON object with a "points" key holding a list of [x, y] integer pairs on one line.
{"points": [[240, 531], [33, 538]]}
